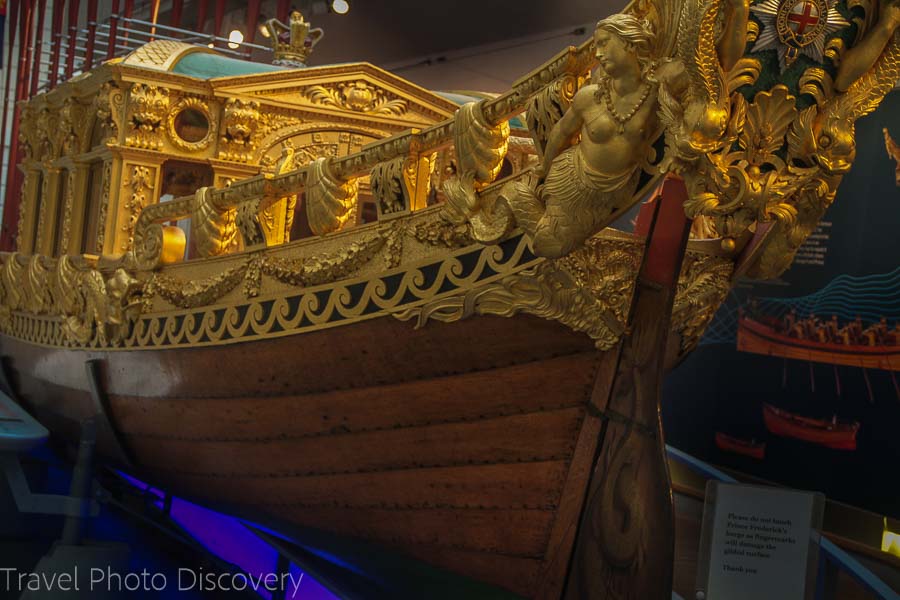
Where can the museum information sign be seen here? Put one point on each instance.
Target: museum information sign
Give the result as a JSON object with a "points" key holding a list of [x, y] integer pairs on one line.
{"points": [[758, 542]]}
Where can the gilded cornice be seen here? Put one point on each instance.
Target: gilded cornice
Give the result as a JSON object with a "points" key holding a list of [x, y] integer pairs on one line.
{"points": [[174, 81]]}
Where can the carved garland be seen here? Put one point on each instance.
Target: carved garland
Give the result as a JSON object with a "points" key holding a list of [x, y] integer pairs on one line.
{"points": [[141, 183], [104, 205]]}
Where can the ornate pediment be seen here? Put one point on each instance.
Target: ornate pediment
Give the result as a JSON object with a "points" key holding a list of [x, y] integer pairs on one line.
{"points": [[358, 90]]}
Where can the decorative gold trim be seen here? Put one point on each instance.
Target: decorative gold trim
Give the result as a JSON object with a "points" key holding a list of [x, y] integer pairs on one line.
{"points": [[328, 199], [104, 204], [201, 106], [588, 291], [147, 109], [69, 201], [140, 182], [357, 96], [310, 308]]}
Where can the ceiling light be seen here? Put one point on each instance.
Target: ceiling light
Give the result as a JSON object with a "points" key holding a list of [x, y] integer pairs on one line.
{"points": [[341, 7], [235, 38]]}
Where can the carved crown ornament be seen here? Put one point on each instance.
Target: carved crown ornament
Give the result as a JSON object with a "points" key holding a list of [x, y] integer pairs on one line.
{"points": [[293, 43]]}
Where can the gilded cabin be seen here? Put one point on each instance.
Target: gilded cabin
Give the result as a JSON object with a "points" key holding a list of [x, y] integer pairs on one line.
{"points": [[171, 118]]}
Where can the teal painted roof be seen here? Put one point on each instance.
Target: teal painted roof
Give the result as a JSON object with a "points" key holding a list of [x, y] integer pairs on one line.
{"points": [[204, 65], [460, 99]]}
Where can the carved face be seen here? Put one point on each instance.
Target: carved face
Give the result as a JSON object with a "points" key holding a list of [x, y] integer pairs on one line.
{"points": [[613, 54], [359, 96], [835, 144]]}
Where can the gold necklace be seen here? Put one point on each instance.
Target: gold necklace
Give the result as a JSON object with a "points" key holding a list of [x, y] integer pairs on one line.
{"points": [[605, 88]]}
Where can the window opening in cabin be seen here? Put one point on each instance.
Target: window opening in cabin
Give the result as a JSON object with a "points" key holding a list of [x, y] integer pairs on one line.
{"points": [[90, 231], [183, 178], [35, 217], [58, 225]]}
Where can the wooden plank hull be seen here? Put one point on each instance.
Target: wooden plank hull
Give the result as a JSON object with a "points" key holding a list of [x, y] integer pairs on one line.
{"points": [[427, 441]]}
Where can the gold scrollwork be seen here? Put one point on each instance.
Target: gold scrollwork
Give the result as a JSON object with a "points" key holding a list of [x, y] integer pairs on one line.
{"points": [[328, 200], [702, 287], [69, 203], [480, 151], [580, 291], [390, 186], [69, 297], [214, 230], [548, 106]]}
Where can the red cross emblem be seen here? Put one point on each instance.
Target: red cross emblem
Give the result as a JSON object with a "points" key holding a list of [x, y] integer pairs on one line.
{"points": [[803, 15]]}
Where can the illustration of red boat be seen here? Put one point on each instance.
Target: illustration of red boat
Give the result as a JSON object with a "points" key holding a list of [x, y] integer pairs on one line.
{"points": [[831, 434], [820, 345], [750, 448]]}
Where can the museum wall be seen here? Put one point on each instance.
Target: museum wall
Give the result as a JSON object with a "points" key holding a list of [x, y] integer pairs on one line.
{"points": [[844, 281]]}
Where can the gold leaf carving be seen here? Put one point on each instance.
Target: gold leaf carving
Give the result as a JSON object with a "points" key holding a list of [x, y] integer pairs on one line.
{"points": [[702, 287], [328, 200], [768, 119], [191, 294], [480, 150], [147, 111], [438, 232], [214, 230], [104, 204], [141, 182], [580, 291], [241, 120], [357, 96], [548, 106]]}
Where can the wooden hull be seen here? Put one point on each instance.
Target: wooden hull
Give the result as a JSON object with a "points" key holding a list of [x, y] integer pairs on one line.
{"points": [[760, 339], [471, 456]]}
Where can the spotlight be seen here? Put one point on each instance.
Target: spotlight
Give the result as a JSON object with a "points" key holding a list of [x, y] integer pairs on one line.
{"points": [[235, 38], [341, 7]]}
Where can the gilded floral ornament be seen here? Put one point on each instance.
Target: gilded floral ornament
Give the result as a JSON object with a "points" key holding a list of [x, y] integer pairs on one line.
{"points": [[357, 96], [702, 287]]}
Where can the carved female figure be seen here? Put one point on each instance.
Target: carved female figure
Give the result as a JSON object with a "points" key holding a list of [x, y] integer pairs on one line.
{"points": [[585, 184]]}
